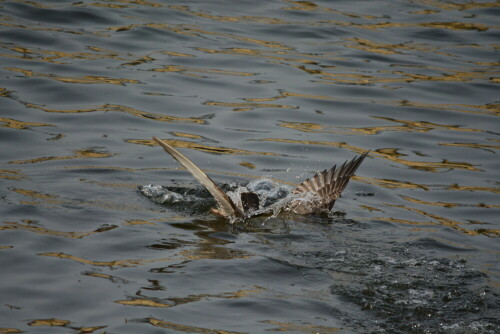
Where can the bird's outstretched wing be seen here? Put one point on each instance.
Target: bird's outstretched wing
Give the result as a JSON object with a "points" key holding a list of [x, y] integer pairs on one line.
{"points": [[329, 184], [226, 206]]}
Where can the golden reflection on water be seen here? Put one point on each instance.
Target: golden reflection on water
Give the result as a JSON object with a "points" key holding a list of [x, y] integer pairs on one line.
{"points": [[11, 174], [185, 328], [111, 264], [88, 79], [19, 125], [406, 126], [56, 57], [311, 6], [486, 109], [247, 106], [199, 147], [204, 250], [489, 148], [447, 204], [193, 31], [302, 328], [126, 3], [53, 322], [397, 76], [450, 5], [191, 70], [175, 301], [119, 108], [4, 92], [42, 198], [78, 154], [49, 322], [231, 19], [390, 184], [442, 221], [390, 154], [40, 230], [110, 184], [280, 56]]}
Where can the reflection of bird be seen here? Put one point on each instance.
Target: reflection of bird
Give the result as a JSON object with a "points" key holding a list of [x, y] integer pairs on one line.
{"points": [[314, 195]]}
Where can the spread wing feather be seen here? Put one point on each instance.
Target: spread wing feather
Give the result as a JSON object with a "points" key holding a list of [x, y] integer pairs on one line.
{"points": [[329, 184], [227, 207]]}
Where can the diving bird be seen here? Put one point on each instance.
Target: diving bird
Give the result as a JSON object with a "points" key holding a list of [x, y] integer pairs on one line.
{"points": [[314, 195]]}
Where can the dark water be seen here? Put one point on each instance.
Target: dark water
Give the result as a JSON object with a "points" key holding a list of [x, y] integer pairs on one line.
{"points": [[249, 89]]}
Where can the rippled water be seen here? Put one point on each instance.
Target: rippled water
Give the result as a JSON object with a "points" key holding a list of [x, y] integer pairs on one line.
{"points": [[247, 89]]}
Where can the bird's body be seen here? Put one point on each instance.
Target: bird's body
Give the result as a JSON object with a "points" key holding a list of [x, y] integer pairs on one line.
{"points": [[314, 195]]}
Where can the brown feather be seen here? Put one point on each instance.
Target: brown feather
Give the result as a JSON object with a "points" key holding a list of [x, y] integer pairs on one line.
{"points": [[328, 185], [226, 206]]}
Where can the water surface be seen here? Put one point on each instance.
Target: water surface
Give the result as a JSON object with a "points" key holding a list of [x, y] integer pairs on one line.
{"points": [[249, 89]]}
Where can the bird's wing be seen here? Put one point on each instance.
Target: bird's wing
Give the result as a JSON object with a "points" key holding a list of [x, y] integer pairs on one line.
{"points": [[329, 184], [227, 207]]}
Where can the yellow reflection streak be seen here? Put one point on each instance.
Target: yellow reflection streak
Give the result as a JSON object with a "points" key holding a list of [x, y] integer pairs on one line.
{"points": [[111, 264], [393, 184], [291, 327], [440, 25], [187, 329], [35, 194], [246, 106], [449, 222], [79, 154], [4, 92], [188, 70], [41, 230], [55, 57], [281, 56], [40, 28], [193, 31], [447, 204], [385, 48], [126, 4], [486, 109], [247, 164], [312, 142], [89, 79], [381, 48], [49, 322], [199, 147], [397, 76], [311, 6], [495, 190], [233, 19], [390, 154], [485, 147], [11, 174], [139, 222], [10, 330], [40, 198], [20, 125], [110, 185], [449, 5], [142, 302], [390, 184], [406, 126], [53, 322], [175, 301], [124, 109]]}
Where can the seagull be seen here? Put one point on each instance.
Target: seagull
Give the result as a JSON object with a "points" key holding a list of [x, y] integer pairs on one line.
{"points": [[314, 195]]}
